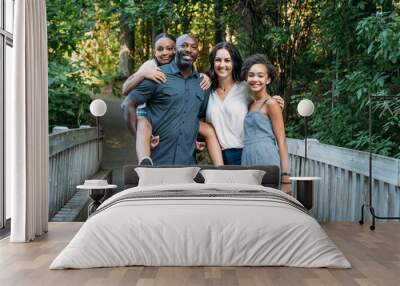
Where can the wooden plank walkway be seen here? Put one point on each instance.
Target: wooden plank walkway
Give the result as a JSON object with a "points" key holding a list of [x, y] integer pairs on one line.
{"points": [[375, 257]]}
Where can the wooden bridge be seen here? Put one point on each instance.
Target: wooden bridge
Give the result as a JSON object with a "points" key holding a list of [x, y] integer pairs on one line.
{"points": [[338, 196]]}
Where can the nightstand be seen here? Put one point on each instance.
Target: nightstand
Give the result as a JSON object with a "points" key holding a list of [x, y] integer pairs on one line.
{"points": [[305, 190], [96, 193]]}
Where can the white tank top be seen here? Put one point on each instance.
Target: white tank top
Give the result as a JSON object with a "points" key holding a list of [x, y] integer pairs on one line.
{"points": [[227, 115]]}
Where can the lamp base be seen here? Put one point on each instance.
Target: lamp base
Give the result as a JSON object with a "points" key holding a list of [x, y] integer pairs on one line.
{"points": [[305, 193], [374, 216]]}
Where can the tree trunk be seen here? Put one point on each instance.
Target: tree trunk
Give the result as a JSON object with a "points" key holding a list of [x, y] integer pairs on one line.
{"points": [[219, 26], [148, 40], [142, 46], [127, 49], [387, 6]]}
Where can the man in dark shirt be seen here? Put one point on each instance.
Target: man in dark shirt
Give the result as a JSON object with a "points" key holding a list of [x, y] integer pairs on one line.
{"points": [[175, 106]]}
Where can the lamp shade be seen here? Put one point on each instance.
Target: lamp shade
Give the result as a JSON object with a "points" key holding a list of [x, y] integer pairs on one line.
{"points": [[305, 107], [98, 107]]}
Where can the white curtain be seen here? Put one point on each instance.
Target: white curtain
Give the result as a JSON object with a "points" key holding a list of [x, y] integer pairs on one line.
{"points": [[27, 124]]}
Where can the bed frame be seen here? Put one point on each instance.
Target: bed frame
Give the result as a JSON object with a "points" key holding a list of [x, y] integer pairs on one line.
{"points": [[270, 179]]}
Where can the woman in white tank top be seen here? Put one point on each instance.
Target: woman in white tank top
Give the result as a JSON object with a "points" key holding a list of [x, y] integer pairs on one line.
{"points": [[229, 100]]}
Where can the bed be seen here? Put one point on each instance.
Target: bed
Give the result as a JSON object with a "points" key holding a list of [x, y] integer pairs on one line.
{"points": [[201, 224]]}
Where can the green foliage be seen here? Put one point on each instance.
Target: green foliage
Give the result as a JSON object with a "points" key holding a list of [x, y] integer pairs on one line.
{"points": [[98, 51], [336, 53], [365, 66], [381, 33], [68, 97], [67, 23]]}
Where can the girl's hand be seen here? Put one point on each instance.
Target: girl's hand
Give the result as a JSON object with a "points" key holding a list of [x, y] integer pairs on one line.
{"points": [[280, 100], [154, 74], [287, 189], [205, 82], [149, 71], [200, 146], [154, 141]]}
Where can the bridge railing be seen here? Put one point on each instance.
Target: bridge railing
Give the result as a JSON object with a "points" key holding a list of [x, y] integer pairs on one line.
{"points": [[338, 196], [72, 158]]}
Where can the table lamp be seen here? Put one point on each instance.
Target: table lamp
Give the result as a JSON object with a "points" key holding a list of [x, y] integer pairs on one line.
{"points": [[98, 108], [305, 108]]}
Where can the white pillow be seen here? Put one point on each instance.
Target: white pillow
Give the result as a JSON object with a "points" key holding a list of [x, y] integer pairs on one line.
{"points": [[249, 177], [166, 176]]}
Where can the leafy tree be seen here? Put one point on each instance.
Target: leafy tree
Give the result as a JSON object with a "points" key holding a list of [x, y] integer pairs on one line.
{"points": [[68, 25], [68, 102], [335, 52]]}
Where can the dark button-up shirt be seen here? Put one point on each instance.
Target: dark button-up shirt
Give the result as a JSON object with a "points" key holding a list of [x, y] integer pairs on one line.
{"points": [[173, 109]]}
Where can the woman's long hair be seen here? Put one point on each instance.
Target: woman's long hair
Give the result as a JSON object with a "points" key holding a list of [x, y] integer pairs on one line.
{"points": [[237, 62]]}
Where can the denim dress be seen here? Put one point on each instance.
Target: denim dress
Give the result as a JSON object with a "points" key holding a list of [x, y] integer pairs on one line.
{"points": [[260, 147]]}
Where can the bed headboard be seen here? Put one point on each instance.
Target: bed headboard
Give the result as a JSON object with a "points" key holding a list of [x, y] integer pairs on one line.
{"points": [[270, 179]]}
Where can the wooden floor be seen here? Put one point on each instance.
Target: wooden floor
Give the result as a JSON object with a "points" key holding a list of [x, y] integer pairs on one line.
{"points": [[375, 257]]}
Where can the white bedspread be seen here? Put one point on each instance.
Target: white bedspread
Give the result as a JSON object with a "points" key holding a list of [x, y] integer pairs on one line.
{"points": [[186, 230]]}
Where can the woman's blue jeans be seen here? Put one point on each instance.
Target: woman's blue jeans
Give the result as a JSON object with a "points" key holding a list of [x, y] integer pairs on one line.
{"points": [[232, 156]]}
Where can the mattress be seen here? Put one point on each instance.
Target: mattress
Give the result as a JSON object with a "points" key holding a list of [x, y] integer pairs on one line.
{"points": [[201, 225]]}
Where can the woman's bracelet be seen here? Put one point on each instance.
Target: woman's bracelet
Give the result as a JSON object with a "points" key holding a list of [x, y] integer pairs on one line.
{"points": [[285, 174], [286, 183]]}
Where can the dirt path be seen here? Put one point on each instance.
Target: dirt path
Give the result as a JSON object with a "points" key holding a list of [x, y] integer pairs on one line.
{"points": [[119, 148]]}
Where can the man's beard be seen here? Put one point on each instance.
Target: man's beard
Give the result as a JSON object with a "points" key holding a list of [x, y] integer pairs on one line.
{"points": [[183, 63]]}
